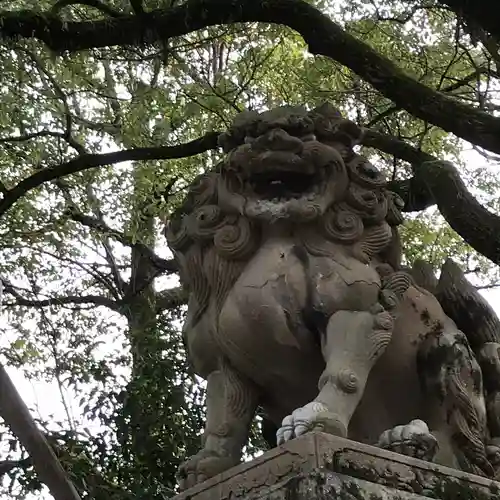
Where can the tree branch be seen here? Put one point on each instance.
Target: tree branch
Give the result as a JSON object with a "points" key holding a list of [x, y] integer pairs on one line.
{"points": [[96, 4], [438, 182], [414, 191], [17, 416], [68, 299], [7, 465], [84, 162], [110, 258], [32, 135], [384, 114], [137, 7], [465, 81], [395, 147], [479, 227], [174, 297], [95, 223], [323, 36], [104, 279]]}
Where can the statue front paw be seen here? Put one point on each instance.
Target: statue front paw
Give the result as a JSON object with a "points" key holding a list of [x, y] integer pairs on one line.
{"points": [[313, 416], [202, 466], [413, 440]]}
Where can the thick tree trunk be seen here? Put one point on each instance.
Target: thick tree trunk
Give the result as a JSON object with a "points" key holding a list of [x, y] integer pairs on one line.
{"points": [[142, 319], [423, 274], [479, 227], [462, 302], [483, 13]]}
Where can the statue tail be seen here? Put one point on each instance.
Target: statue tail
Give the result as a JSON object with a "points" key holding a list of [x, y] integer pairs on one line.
{"points": [[474, 316]]}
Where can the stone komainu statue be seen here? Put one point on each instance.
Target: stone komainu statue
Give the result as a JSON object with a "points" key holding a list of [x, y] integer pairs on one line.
{"points": [[298, 304]]}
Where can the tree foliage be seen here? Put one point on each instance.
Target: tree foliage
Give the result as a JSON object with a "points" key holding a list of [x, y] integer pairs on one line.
{"points": [[110, 108]]}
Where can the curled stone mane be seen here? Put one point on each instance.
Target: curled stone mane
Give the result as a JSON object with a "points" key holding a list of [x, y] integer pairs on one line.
{"points": [[216, 230], [211, 245]]}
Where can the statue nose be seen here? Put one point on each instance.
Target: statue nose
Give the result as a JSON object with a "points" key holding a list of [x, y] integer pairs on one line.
{"points": [[278, 139]]}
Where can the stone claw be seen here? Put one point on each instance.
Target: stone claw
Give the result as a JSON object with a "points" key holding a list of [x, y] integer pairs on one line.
{"points": [[201, 467], [313, 416], [413, 440]]}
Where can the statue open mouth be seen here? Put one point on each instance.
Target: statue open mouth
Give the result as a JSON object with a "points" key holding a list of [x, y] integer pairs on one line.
{"points": [[299, 182], [282, 184]]}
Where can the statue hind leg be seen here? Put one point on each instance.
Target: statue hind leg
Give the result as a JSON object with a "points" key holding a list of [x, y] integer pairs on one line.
{"points": [[231, 404]]}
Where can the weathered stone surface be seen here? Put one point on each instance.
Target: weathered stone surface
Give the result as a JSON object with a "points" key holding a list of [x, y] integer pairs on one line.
{"points": [[299, 305], [319, 466]]}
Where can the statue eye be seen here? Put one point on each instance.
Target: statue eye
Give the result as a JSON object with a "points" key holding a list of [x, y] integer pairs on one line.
{"points": [[369, 170], [299, 126]]}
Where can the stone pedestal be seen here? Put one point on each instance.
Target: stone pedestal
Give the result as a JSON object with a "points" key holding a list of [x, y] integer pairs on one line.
{"points": [[318, 466]]}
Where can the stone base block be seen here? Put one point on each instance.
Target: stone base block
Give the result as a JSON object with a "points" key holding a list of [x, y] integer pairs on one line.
{"points": [[318, 466]]}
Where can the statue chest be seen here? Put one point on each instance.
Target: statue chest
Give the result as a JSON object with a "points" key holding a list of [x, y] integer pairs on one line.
{"points": [[287, 272]]}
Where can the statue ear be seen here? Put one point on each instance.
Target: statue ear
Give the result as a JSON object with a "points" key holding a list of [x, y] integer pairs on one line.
{"points": [[236, 133], [334, 127], [327, 110]]}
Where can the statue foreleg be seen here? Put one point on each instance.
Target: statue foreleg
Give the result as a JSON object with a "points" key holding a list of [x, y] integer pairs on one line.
{"points": [[353, 342], [231, 405]]}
